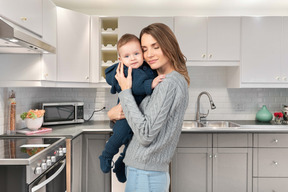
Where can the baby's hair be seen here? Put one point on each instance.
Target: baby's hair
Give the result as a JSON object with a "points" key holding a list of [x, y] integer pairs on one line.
{"points": [[126, 38]]}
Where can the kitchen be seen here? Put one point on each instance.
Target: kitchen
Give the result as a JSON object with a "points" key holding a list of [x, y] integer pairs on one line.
{"points": [[46, 79]]}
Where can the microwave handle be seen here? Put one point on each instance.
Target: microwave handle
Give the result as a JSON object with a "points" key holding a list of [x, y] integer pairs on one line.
{"points": [[37, 187]]}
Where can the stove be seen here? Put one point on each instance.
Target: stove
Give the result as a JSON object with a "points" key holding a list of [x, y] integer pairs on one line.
{"points": [[30, 157]]}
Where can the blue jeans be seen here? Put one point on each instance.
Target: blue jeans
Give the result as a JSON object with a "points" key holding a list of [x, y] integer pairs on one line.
{"points": [[146, 181]]}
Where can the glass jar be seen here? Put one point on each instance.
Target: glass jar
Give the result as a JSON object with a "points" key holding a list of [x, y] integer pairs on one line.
{"points": [[12, 113]]}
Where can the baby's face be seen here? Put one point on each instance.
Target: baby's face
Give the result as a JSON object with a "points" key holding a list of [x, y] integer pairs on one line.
{"points": [[131, 54]]}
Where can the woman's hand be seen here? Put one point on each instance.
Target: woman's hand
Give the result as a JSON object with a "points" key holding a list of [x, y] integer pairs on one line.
{"points": [[116, 113], [124, 82]]}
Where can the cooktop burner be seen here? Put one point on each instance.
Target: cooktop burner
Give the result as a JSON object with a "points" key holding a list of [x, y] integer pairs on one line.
{"points": [[23, 148]]}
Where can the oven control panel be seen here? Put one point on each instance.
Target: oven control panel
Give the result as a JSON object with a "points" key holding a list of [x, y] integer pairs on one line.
{"points": [[49, 161], [46, 159]]}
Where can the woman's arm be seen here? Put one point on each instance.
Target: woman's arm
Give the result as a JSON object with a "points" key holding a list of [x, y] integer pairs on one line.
{"points": [[147, 124], [116, 113]]}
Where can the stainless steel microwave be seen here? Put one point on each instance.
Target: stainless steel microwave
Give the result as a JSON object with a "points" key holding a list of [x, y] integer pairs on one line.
{"points": [[63, 113]]}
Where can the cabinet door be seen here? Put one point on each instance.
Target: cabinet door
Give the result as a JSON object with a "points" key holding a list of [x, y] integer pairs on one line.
{"points": [[223, 38], [49, 35], [134, 25], [284, 63], [191, 33], [232, 169], [93, 179], [76, 164], [191, 170], [27, 14], [72, 46], [261, 49]]}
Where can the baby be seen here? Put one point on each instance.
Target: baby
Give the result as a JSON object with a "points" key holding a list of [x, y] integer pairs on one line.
{"points": [[144, 81]]}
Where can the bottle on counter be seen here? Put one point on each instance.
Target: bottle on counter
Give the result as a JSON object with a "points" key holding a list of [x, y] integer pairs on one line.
{"points": [[12, 113]]}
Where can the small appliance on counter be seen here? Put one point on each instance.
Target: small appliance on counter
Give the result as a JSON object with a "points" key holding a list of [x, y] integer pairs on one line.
{"points": [[63, 113]]}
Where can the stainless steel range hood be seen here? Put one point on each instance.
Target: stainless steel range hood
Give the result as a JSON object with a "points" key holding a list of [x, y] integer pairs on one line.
{"points": [[13, 40]]}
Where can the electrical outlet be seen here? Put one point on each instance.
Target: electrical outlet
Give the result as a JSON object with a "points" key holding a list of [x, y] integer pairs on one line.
{"points": [[239, 107]]}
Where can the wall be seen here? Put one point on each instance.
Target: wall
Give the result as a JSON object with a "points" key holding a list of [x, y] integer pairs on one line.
{"points": [[231, 104]]}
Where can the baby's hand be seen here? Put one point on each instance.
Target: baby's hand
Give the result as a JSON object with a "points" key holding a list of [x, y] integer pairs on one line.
{"points": [[157, 80]]}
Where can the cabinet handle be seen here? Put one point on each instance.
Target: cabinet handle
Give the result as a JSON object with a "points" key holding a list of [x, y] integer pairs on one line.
{"points": [[275, 141], [203, 56], [86, 77], [275, 163], [210, 56], [284, 78], [277, 78], [24, 19], [214, 156], [45, 75], [210, 156]]}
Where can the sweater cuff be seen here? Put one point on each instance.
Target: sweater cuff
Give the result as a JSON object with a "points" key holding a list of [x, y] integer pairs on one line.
{"points": [[125, 93]]}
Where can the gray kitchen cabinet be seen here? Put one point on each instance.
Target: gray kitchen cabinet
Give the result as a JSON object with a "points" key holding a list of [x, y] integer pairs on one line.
{"points": [[270, 167], [93, 179], [73, 46], [209, 39], [76, 168], [219, 163], [134, 25], [27, 14]]}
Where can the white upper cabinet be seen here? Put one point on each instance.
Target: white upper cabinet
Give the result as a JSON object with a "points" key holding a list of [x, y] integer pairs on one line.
{"points": [[27, 14], [261, 49], [49, 69], [209, 38], [73, 31], [134, 25]]}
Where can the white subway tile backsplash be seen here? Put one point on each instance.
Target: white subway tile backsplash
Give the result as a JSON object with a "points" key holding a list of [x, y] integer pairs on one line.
{"points": [[232, 104]]}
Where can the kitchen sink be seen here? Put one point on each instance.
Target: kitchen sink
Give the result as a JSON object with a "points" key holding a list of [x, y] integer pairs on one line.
{"points": [[220, 124], [191, 124], [209, 124]]}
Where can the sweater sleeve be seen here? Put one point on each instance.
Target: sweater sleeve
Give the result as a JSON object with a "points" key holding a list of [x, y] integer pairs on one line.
{"points": [[147, 124]]}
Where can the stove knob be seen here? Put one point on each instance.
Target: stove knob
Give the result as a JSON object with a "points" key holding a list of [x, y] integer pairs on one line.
{"points": [[49, 162], [60, 152], [53, 159], [44, 165], [38, 169], [64, 150]]}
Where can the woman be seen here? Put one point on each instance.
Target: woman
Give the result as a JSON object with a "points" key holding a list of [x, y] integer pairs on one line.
{"points": [[157, 122]]}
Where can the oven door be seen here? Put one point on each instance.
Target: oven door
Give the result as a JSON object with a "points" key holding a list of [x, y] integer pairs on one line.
{"points": [[52, 180]]}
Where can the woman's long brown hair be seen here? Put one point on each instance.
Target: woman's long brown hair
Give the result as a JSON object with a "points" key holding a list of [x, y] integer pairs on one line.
{"points": [[169, 45]]}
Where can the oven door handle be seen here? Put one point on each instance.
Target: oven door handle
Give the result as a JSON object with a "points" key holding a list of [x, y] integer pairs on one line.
{"points": [[35, 188]]}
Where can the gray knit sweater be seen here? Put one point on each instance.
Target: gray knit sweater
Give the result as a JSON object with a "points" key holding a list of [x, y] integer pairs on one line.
{"points": [[156, 123]]}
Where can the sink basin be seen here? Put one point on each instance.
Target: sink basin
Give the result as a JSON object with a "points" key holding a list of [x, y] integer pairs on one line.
{"points": [[220, 124], [191, 124]]}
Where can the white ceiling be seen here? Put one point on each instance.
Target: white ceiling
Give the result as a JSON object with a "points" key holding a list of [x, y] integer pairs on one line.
{"points": [[172, 7]]}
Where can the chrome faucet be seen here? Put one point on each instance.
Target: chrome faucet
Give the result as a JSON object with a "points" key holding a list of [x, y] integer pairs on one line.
{"points": [[203, 115]]}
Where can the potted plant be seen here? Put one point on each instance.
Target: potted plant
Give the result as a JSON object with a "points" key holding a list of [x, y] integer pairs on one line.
{"points": [[33, 118]]}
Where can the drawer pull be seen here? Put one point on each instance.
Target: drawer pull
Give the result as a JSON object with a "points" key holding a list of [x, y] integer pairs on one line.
{"points": [[275, 163], [275, 141]]}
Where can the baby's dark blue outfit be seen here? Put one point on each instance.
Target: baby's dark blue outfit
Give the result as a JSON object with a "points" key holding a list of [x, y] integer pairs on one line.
{"points": [[142, 78]]}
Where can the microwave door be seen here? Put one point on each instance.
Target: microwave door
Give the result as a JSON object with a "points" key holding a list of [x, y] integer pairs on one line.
{"points": [[59, 114]]}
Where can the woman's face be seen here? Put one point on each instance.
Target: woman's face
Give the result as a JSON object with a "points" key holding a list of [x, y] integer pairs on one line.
{"points": [[154, 56]]}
